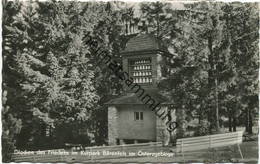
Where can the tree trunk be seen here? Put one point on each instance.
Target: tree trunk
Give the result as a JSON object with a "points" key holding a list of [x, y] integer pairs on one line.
{"points": [[200, 114], [229, 122], [216, 104], [250, 122], [210, 121], [181, 122], [234, 124], [213, 81]]}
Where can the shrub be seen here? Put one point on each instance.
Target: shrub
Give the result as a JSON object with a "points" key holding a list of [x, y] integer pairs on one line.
{"points": [[7, 149], [202, 129]]}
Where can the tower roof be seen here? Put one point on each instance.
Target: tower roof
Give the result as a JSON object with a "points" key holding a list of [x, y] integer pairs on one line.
{"points": [[132, 98], [143, 42]]}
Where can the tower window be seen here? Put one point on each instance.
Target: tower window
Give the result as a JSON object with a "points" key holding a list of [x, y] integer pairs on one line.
{"points": [[141, 70], [138, 116], [141, 116]]}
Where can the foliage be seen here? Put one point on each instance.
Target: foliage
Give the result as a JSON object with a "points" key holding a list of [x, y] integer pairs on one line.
{"points": [[10, 128], [11, 124], [202, 129], [204, 72], [57, 88], [53, 79]]}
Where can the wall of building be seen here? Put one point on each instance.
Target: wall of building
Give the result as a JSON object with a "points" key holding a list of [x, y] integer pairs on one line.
{"points": [[123, 126], [112, 125], [129, 128]]}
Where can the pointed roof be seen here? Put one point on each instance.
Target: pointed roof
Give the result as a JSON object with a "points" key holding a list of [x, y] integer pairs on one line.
{"points": [[143, 42]]}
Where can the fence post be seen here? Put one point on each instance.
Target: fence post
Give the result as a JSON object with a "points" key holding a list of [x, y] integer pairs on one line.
{"points": [[91, 158], [209, 141], [182, 151], [60, 158], [238, 146]]}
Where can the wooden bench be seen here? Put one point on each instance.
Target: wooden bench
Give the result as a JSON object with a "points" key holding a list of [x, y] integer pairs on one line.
{"points": [[211, 141]]}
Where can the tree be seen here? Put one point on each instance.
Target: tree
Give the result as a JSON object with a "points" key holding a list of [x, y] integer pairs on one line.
{"points": [[56, 88], [208, 45], [11, 124], [243, 64], [216, 25], [58, 81], [160, 20]]}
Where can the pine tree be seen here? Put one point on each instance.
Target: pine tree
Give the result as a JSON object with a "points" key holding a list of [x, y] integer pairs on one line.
{"points": [[11, 124], [205, 53], [55, 79], [242, 87]]}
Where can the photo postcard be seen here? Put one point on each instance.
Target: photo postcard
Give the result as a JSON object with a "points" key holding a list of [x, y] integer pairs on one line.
{"points": [[130, 81]]}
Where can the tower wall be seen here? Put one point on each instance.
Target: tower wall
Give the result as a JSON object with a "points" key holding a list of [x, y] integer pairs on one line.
{"points": [[112, 125]]}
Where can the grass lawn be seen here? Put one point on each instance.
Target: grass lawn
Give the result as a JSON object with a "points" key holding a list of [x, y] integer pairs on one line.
{"points": [[223, 154]]}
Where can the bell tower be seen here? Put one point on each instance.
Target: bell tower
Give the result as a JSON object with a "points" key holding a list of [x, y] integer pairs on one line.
{"points": [[130, 119], [143, 59]]}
